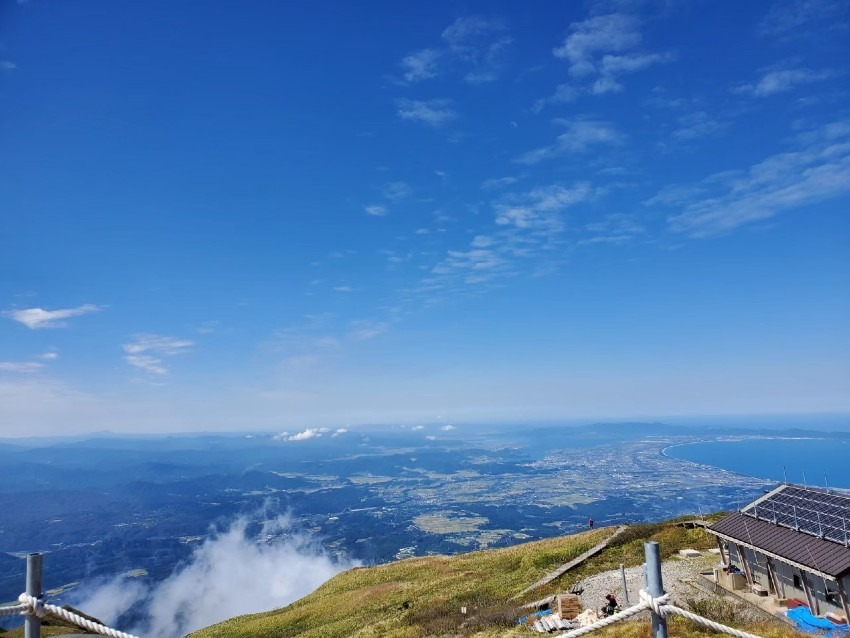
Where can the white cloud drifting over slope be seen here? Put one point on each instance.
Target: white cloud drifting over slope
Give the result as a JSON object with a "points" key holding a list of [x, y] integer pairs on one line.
{"points": [[230, 574]]}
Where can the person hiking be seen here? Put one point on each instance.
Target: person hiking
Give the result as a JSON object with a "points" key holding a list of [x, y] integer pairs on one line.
{"points": [[590, 523], [611, 606]]}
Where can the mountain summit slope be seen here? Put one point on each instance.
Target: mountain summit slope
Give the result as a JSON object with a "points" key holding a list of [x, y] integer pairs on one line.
{"points": [[421, 597]]}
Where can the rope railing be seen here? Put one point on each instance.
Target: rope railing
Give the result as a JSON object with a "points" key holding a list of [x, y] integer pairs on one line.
{"points": [[657, 601], [662, 608], [33, 608]]}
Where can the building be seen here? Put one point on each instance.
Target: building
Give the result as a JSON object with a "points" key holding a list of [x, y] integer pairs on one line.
{"points": [[793, 542]]}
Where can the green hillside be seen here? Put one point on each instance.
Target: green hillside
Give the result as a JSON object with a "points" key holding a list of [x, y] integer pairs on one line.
{"points": [[422, 597]]}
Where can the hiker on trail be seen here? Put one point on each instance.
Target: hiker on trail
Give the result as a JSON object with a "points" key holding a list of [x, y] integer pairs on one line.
{"points": [[611, 607], [590, 523]]}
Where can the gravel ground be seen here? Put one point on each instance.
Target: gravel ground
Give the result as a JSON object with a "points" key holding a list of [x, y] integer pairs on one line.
{"points": [[675, 573]]}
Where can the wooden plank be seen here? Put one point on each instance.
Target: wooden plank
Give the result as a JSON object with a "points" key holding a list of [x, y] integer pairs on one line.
{"points": [[774, 581], [844, 604], [813, 606], [746, 565], [723, 555], [563, 569]]}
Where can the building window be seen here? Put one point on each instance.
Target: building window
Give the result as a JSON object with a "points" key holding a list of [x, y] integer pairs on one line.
{"points": [[797, 583]]}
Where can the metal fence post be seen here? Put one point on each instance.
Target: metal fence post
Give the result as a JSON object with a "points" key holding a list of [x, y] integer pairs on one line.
{"points": [[32, 623], [625, 588], [655, 586]]}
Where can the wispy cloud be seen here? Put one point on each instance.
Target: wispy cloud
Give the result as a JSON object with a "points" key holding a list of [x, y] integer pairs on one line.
{"points": [[788, 19], [435, 113], [421, 65], [148, 352], [376, 210], [479, 43], [474, 46], [365, 330], [8, 65], [49, 356], [616, 228], [498, 182], [578, 136], [691, 126], [781, 80], [23, 367], [525, 226], [599, 50], [38, 318], [818, 168], [395, 191]]}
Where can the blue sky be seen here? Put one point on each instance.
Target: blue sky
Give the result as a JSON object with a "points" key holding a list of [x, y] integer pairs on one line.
{"points": [[224, 216]]}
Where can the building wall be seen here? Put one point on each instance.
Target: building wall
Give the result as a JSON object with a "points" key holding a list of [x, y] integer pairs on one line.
{"points": [[785, 576]]}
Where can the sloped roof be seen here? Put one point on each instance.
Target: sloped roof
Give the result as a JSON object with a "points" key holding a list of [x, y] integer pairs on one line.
{"points": [[803, 526]]}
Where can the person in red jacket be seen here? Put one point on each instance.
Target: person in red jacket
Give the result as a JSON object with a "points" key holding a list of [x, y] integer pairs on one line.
{"points": [[590, 523]]}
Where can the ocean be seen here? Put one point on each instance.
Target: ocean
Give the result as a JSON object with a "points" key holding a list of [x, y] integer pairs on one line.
{"points": [[765, 458]]}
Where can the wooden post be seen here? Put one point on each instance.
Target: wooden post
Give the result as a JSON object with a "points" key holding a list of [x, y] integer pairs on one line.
{"points": [[842, 595], [723, 555], [746, 565], [771, 574], [655, 586], [813, 602], [32, 623]]}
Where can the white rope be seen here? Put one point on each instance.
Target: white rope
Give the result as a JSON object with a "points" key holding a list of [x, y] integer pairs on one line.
{"points": [[716, 626], [39, 608], [661, 607], [11, 610]]}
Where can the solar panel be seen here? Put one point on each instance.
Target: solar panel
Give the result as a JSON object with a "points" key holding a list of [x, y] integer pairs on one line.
{"points": [[809, 510]]}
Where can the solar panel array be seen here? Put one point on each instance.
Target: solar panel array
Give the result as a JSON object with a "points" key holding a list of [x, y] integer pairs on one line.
{"points": [[817, 512]]}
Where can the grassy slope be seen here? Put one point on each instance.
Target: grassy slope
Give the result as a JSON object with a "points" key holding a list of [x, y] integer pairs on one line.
{"points": [[371, 601]]}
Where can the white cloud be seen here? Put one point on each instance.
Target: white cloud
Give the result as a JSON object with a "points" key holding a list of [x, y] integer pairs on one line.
{"points": [[614, 32], [448, 428], [8, 65], [376, 210], [600, 49], [306, 435], [498, 182], [343, 289], [818, 169], [616, 228], [698, 124], [395, 191], [799, 18], [435, 113], [579, 136], [49, 356], [421, 65], [480, 44], [781, 80], [148, 351], [20, 366], [364, 330], [230, 574], [340, 431], [431, 437], [418, 427], [37, 318], [563, 94]]}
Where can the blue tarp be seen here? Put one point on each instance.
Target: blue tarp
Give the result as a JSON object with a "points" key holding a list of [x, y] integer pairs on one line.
{"points": [[810, 624]]}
